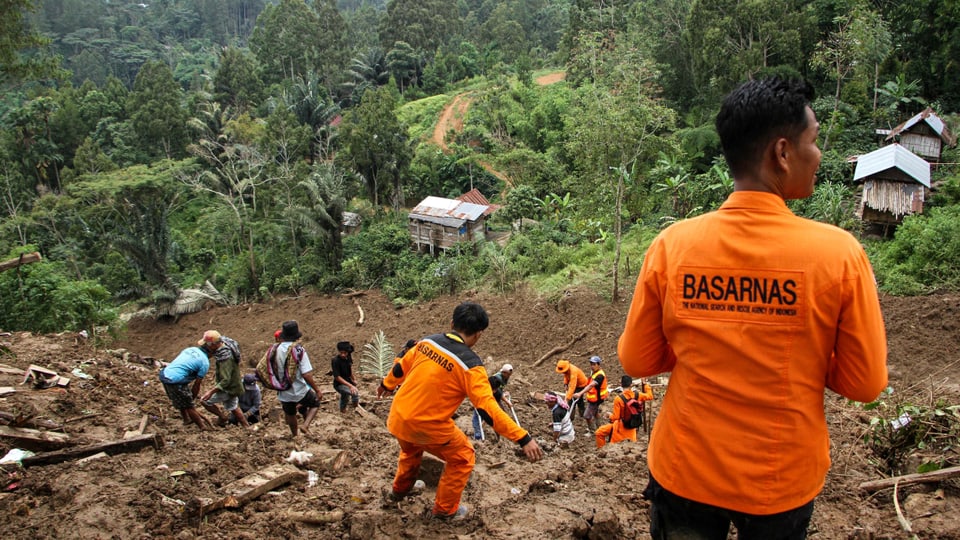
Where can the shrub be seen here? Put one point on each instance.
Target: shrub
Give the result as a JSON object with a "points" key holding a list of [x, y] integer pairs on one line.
{"points": [[923, 256], [43, 297]]}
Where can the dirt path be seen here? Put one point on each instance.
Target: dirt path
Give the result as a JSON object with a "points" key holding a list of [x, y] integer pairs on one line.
{"points": [[453, 115], [451, 119]]}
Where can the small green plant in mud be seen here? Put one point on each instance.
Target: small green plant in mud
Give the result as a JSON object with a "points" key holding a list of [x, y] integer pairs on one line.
{"points": [[905, 437], [377, 356]]}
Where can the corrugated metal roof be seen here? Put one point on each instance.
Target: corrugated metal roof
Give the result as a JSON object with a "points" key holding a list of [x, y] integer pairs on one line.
{"points": [[474, 196], [893, 156], [447, 212], [931, 118]]}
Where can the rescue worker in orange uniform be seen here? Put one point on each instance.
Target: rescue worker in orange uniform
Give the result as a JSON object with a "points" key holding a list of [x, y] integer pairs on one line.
{"points": [[595, 393], [436, 375], [574, 379], [615, 431], [755, 311]]}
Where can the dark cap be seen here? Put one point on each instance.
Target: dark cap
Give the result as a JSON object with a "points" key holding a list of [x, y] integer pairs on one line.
{"points": [[344, 346], [290, 331], [249, 379]]}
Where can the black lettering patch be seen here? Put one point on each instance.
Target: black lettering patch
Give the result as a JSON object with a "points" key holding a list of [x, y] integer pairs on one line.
{"points": [[748, 295]]}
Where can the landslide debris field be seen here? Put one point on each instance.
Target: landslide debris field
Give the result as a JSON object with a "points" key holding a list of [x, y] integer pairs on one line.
{"points": [[150, 492]]}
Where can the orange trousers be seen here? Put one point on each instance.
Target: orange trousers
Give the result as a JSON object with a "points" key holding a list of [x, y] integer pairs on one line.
{"points": [[459, 456], [615, 432]]}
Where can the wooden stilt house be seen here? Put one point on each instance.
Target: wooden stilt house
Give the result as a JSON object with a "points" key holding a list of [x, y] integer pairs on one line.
{"points": [[438, 223], [895, 184], [925, 134]]}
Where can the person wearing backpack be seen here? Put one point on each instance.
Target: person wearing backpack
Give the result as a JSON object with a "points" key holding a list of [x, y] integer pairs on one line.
{"points": [[228, 386], [627, 415], [301, 393]]}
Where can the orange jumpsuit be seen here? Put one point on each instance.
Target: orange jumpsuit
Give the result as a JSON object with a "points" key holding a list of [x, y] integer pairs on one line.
{"points": [[436, 375], [575, 380], [615, 430], [754, 311]]}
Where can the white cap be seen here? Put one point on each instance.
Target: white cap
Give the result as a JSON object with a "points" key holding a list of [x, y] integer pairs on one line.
{"points": [[506, 367]]}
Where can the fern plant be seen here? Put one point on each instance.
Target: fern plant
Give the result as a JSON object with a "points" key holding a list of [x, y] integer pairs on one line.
{"points": [[377, 356]]}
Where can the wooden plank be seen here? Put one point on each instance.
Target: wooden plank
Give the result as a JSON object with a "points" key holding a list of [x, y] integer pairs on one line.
{"points": [[11, 370], [33, 438], [314, 517], [113, 447], [907, 479], [7, 390], [139, 430], [18, 420], [247, 489]]}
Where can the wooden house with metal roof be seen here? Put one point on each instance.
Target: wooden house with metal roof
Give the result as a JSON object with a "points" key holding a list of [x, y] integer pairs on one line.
{"points": [[438, 223], [895, 184], [925, 134]]}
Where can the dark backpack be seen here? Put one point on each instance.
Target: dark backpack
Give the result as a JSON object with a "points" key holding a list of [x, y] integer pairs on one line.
{"points": [[233, 347], [267, 371], [632, 413]]}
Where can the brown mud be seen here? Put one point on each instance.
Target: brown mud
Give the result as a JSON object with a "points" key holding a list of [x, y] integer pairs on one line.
{"points": [[574, 492]]}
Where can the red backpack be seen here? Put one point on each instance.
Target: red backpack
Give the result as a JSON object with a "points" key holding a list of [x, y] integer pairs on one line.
{"points": [[632, 412]]}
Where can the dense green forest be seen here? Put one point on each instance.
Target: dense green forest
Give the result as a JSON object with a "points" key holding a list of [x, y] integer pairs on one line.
{"points": [[151, 146]]}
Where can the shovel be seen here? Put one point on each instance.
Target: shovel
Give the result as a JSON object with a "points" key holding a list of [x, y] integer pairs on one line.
{"points": [[515, 419], [480, 423]]}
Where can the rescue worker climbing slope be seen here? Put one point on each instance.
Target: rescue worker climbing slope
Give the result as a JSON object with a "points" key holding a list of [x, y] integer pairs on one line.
{"points": [[436, 375]]}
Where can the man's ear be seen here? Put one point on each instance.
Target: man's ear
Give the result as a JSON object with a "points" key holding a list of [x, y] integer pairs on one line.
{"points": [[781, 151]]}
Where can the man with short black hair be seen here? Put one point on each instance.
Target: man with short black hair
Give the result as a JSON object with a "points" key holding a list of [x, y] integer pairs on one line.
{"points": [[436, 375], [755, 311], [616, 431], [343, 381]]}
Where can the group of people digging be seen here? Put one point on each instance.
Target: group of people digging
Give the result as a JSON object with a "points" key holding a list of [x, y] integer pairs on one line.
{"points": [[753, 311], [240, 394]]}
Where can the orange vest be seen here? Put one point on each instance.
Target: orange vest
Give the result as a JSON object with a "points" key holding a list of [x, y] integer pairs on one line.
{"points": [[592, 393]]}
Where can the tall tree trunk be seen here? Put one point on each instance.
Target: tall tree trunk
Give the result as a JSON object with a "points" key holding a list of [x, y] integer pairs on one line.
{"points": [[618, 232]]}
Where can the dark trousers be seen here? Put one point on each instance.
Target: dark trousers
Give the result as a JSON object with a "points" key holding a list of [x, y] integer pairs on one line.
{"points": [[673, 517]]}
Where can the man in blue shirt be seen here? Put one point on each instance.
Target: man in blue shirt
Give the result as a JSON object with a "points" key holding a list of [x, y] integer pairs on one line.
{"points": [[181, 380]]}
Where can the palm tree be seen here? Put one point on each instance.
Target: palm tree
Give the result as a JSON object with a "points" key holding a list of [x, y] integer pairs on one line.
{"points": [[369, 70], [319, 215], [310, 101]]}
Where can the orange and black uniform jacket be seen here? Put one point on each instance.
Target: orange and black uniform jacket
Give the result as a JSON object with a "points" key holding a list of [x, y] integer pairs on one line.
{"points": [[754, 311], [598, 392], [576, 380], [436, 375]]}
